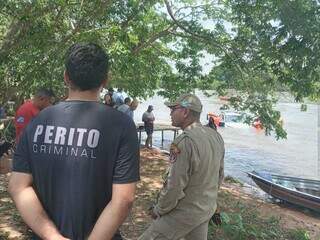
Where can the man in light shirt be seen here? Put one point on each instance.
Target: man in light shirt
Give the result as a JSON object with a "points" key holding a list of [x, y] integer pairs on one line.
{"points": [[148, 119]]}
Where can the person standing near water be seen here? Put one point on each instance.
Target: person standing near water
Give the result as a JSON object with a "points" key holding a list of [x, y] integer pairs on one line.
{"points": [[148, 119], [188, 198]]}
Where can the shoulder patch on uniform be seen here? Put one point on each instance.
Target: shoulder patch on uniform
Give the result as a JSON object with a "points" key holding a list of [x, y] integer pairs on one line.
{"points": [[174, 152], [20, 119]]}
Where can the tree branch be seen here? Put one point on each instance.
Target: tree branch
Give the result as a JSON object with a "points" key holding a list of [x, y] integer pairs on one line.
{"points": [[192, 7], [17, 30], [77, 28], [202, 38], [125, 23], [152, 39]]}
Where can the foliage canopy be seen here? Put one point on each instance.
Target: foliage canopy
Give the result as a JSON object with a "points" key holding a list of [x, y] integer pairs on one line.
{"points": [[256, 47]]}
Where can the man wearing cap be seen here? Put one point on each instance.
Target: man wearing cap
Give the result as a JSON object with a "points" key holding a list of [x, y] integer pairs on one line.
{"points": [[188, 198], [148, 119]]}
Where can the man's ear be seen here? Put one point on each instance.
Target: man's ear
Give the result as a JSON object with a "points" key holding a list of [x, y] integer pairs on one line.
{"points": [[186, 112], [66, 79]]}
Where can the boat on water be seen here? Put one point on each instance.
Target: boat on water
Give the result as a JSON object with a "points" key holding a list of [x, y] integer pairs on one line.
{"points": [[298, 191], [234, 119], [229, 119]]}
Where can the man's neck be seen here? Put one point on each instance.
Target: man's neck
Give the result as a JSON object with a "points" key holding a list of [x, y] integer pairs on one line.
{"points": [[89, 95], [188, 123]]}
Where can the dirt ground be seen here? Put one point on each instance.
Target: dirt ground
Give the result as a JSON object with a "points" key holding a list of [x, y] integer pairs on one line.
{"points": [[153, 165]]}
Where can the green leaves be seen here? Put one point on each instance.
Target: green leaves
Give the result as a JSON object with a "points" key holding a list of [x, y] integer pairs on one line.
{"points": [[299, 234], [254, 47], [248, 224]]}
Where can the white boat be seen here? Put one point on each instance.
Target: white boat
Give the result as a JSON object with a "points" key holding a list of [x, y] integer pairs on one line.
{"points": [[234, 119]]}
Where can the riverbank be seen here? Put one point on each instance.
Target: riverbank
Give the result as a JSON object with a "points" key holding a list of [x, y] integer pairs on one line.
{"points": [[248, 217], [245, 216]]}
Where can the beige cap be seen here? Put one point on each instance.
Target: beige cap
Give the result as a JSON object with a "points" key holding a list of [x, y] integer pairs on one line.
{"points": [[189, 101]]}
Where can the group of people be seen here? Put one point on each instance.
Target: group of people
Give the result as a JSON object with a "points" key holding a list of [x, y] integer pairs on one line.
{"points": [[117, 101], [77, 163], [114, 99], [128, 106], [45, 97]]}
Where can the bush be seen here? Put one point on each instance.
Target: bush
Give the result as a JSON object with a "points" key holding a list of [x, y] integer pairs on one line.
{"points": [[299, 234], [237, 226]]}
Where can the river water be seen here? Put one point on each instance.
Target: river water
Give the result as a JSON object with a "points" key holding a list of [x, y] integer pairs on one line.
{"points": [[250, 149]]}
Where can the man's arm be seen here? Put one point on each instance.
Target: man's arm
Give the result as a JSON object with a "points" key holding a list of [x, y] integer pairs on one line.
{"points": [[30, 208], [115, 212], [177, 180], [221, 171]]}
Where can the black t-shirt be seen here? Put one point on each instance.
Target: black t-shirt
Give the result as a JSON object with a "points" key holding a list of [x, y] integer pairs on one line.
{"points": [[75, 151]]}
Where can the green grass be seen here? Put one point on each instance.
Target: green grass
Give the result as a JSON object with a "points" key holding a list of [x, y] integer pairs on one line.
{"points": [[299, 234], [242, 221], [230, 179]]}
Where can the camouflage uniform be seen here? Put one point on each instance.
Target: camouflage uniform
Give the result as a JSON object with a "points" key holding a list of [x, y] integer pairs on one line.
{"points": [[188, 198]]}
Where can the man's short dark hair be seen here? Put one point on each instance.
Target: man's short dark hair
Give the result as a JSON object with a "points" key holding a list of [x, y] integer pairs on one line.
{"points": [[87, 65], [44, 92], [150, 108], [127, 100]]}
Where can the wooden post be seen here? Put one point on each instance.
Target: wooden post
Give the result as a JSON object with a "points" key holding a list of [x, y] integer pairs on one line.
{"points": [[139, 136], [162, 138]]}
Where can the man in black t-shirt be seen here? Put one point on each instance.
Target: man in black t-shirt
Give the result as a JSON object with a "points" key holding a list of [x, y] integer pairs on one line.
{"points": [[77, 163]]}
